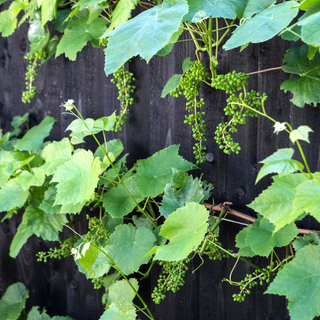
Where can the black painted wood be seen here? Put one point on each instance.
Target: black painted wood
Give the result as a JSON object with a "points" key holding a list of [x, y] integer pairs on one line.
{"points": [[153, 124]]}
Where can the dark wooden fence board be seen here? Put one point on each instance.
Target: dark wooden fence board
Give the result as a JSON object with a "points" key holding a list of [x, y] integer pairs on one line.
{"points": [[154, 123]]}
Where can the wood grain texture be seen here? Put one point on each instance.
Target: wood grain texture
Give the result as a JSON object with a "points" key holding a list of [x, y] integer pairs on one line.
{"points": [[154, 123]]}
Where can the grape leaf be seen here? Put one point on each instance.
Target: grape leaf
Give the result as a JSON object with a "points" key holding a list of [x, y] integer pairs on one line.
{"points": [[263, 26], [20, 238], [118, 202], [280, 162], [110, 223], [13, 301], [95, 262], [300, 283], [142, 221], [115, 146], [155, 172], [190, 190], [171, 85], [310, 238], [48, 10], [18, 5], [12, 196], [202, 9], [18, 121], [145, 34], [276, 202], [185, 228], [305, 88], [26, 179], [262, 239], [87, 3], [307, 196], [8, 23], [245, 250], [121, 13], [48, 201], [256, 6], [37, 36], [6, 159], [77, 34], [168, 47], [35, 314], [302, 133], [77, 178], [117, 311], [187, 64], [122, 292], [46, 226], [55, 154], [127, 247], [33, 139]]}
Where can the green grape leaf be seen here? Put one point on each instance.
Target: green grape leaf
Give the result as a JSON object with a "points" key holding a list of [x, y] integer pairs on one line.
{"points": [[263, 26], [256, 6], [95, 262], [77, 178], [244, 249], [121, 13], [171, 85], [18, 5], [12, 196], [26, 179], [310, 238], [46, 226], [110, 223], [262, 239], [191, 190], [187, 64], [155, 172], [35, 314], [55, 154], [118, 202], [87, 3], [33, 139], [185, 228], [145, 34], [302, 133], [168, 47], [38, 36], [104, 123], [47, 205], [48, 10], [309, 23], [280, 162], [13, 301], [276, 202], [122, 292], [6, 159], [117, 311], [127, 247], [20, 238], [290, 36], [305, 88], [142, 221], [18, 121], [8, 23], [77, 34], [51, 47], [202, 9], [307, 196], [114, 146], [300, 283]]}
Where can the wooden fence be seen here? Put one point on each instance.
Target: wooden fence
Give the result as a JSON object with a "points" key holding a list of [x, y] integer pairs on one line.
{"points": [[153, 124]]}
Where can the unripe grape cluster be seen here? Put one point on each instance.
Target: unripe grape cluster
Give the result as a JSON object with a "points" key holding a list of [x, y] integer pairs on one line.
{"points": [[189, 87], [34, 59], [64, 250], [123, 79], [97, 234], [251, 280], [171, 279], [213, 252], [238, 106]]}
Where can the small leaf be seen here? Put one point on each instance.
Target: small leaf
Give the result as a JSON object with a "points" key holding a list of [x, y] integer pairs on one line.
{"points": [[26, 179], [114, 146], [280, 162], [13, 301], [187, 64], [33, 139], [127, 247], [18, 121], [48, 10], [47, 205], [122, 292], [20, 238], [263, 26], [185, 228], [117, 311], [302, 133], [303, 292], [254, 6], [245, 249], [155, 172], [8, 23], [35, 314], [171, 85]]}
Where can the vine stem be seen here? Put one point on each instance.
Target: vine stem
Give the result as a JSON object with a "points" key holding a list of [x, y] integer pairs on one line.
{"points": [[265, 70], [117, 174]]}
